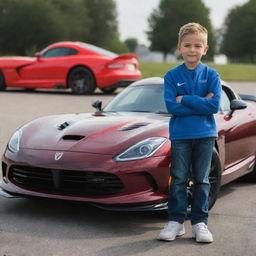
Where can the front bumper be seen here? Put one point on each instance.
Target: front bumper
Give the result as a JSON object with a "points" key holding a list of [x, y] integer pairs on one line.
{"points": [[7, 194], [144, 181], [153, 207]]}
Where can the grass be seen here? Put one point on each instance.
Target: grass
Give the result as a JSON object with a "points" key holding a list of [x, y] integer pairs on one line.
{"points": [[229, 72]]}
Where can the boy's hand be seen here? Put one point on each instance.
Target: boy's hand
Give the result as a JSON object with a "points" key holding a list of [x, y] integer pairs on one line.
{"points": [[179, 99], [209, 95]]}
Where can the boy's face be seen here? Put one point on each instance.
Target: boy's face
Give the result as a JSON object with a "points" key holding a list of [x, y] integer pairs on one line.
{"points": [[192, 48]]}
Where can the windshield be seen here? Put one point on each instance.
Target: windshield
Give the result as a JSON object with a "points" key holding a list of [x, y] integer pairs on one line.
{"points": [[98, 50], [146, 98]]}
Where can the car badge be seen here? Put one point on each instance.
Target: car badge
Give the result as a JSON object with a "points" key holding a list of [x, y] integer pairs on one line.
{"points": [[58, 156]]}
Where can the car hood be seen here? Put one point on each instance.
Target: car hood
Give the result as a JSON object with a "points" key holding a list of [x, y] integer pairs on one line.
{"points": [[100, 134], [8, 62]]}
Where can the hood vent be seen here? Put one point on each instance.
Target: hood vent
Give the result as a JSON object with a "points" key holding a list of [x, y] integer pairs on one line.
{"points": [[72, 137], [133, 126]]}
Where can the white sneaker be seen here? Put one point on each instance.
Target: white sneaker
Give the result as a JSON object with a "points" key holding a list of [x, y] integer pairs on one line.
{"points": [[171, 231], [201, 233]]}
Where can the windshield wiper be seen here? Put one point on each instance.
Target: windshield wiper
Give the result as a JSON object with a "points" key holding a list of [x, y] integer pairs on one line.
{"points": [[140, 111], [161, 112]]}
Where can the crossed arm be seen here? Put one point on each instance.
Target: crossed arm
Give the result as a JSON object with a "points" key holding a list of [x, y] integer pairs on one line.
{"points": [[209, 96], [193, 104]]}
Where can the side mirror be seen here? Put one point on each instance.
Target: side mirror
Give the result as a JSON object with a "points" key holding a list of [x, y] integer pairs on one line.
{"points": [[98, 105], [235, 105]]}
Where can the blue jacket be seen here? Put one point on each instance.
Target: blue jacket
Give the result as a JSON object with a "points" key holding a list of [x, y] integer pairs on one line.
{"points": [[193, 117]]}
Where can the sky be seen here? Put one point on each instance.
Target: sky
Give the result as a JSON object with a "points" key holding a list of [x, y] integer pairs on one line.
{"points": [[133, 15]]}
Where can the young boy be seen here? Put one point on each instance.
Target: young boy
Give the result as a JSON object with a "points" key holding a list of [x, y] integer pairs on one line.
{"points": [[192, 95]]}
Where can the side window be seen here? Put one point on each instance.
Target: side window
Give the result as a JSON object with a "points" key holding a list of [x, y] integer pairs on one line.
{"points": [[225, 102], [59, 52]]}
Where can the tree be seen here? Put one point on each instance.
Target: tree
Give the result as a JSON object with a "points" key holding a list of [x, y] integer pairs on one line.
{"points": [[166, 20], [74, 19], [104, 26], [27, 26], [23, 25], [240, 33], [131, 44], [35, 24]]}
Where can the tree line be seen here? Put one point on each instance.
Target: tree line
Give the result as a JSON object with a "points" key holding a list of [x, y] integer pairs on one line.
{"points": [[27, 26], [237, 39]]}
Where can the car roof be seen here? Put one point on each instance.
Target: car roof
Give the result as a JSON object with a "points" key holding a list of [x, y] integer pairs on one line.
{"points": [[65, 43], [149, 81]]}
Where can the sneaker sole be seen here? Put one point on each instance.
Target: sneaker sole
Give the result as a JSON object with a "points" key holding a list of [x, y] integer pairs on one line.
{"points": [[202, 240], [171, 239]]}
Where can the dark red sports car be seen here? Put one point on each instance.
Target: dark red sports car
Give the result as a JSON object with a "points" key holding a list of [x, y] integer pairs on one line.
{"points": [[79, 66], [118, 157]]}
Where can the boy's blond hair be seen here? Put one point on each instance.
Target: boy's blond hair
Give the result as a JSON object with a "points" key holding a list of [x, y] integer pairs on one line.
{"points": [[193, 28]]}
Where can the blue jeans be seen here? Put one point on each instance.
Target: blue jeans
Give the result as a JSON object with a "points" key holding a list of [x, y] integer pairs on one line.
{"points": [[187, 153]]}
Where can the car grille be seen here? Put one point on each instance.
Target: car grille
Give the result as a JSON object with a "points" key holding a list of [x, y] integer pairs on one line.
{"points": [[66, 182]]}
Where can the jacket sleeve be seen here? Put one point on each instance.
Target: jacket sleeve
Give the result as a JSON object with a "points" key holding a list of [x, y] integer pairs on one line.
{"points": [[202, 105], [172, 106]]}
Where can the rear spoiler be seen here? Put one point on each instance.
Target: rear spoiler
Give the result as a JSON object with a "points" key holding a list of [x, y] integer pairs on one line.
{"points": [[126, 56]]}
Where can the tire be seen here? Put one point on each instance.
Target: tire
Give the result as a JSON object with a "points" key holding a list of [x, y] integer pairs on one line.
{"points": [[2, 82], [215, 181], [108, 90], [81, 81]]}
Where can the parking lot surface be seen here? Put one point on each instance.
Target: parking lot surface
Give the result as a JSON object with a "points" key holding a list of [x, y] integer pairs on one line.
{"points": [[40, 227]]}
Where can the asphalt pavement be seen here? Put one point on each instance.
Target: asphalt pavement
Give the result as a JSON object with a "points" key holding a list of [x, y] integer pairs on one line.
{"points": [[42, 227]]}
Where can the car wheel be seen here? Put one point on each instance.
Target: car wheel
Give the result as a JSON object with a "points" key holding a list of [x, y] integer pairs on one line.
{"points": [[108, 90], [2, 82], [81, 81], [214, 178]]}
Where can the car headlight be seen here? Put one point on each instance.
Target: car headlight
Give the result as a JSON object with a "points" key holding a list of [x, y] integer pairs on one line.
{"points": [[14, 143], [141, 150]]}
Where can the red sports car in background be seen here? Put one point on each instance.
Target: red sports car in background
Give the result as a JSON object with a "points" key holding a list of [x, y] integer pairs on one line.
{"points": [[79, 66], [118, 157]]}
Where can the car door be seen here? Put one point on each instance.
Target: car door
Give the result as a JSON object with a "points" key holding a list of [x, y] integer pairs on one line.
{"points": [[239, 134], [50, 67]]}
